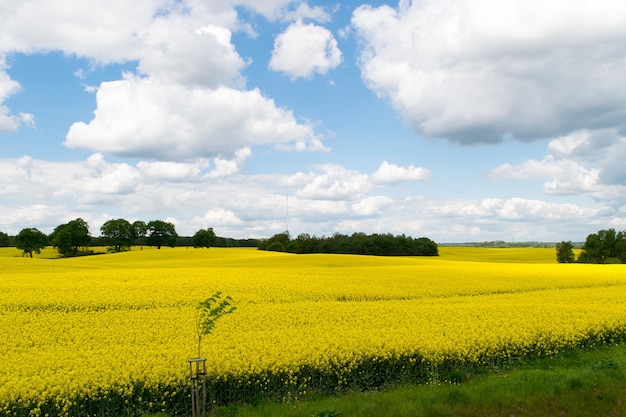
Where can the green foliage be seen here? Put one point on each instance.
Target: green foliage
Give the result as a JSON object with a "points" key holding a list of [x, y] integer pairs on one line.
{"points": [[357, 244], [227, 242], [605, 246], [612, 261], [119, 234], [161, 233], [565, 252], [279, 242], [31, 240], [141, 229], [276, 247], [71, 237], [327, 412], [580, 383], [4, 239], [204, 238], [208, 312]]}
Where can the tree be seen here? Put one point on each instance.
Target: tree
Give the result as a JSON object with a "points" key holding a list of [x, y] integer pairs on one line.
{"points": [[278, 243], [141, 228], [119, 234], [161, 233], [204, 238], [4, 239], [208, 312], [304, 243], [425, 247], [31, 240], [358, 243], [68, 238], [604, 246], [565, 252]]}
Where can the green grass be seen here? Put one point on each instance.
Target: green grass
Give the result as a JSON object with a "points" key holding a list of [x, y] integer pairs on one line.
{"points": [[579, 384]]}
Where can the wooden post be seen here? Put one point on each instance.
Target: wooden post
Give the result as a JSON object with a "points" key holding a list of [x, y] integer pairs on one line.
{"points": [[197, 377]]}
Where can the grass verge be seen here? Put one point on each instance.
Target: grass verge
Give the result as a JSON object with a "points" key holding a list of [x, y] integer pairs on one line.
{"points": [[590, 383]]}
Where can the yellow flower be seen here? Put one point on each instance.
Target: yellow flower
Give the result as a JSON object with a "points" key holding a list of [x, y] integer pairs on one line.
{"points": [[100, 327]]}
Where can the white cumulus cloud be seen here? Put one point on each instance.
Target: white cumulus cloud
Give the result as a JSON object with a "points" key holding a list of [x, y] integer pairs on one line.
{"points": [[187, 97], [590, 162], [328, 200], [106, 32], [9, 87], [482, 71], [217, 217], [160, 170], [391, 173], [175, 52], [335, 183], [303, 50], [141, 117], [285, 10], [374, 205]]}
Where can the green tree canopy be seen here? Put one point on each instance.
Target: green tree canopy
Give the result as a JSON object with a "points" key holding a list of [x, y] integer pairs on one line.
{"points": [[70, 237], [605, 246], [161, 233], [204, 238], [358, 243], [277, 243], [565, 252], [141, 229], [119, 234], [4, 239], [31, 240]]}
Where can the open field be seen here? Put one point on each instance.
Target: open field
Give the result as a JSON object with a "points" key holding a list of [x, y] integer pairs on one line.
{"points": [[112, 334]]}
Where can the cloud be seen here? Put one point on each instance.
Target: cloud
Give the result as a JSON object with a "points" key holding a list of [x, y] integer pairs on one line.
{"points": [[217, 217], [479, 72], [142, 117], [305, 49], [456, 221], [187, 97], [37, 25], [186, 42], [227, 167], [374, 205], [73, 185], [335, 183], [321, 202], [584, 162], [171, 171], [9, 87], [566, 176], [42, 216], [305, 11], [286, 10], [391, 173], [175, 52], [115, 31], [524, 218], [99, 182]]}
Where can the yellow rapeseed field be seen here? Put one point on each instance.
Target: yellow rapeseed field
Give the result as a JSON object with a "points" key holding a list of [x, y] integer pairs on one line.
{"points": [[112, 333]]}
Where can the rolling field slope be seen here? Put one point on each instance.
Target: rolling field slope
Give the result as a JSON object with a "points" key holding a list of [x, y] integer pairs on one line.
{"points": [[112, 333]]}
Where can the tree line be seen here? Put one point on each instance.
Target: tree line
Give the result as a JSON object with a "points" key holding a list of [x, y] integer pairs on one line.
{"points": [[74, 239], [603, 247], [357, 244]]}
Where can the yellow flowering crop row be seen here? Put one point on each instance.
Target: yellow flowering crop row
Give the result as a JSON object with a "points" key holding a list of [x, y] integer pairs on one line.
{"points": [[100, 334]]}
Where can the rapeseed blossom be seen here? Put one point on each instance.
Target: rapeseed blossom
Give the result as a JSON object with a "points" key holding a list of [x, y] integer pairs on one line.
{"points": [[96, 335]]}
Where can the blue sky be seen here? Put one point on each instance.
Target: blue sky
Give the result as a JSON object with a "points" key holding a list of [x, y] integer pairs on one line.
{"points": [[463, 120]]}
